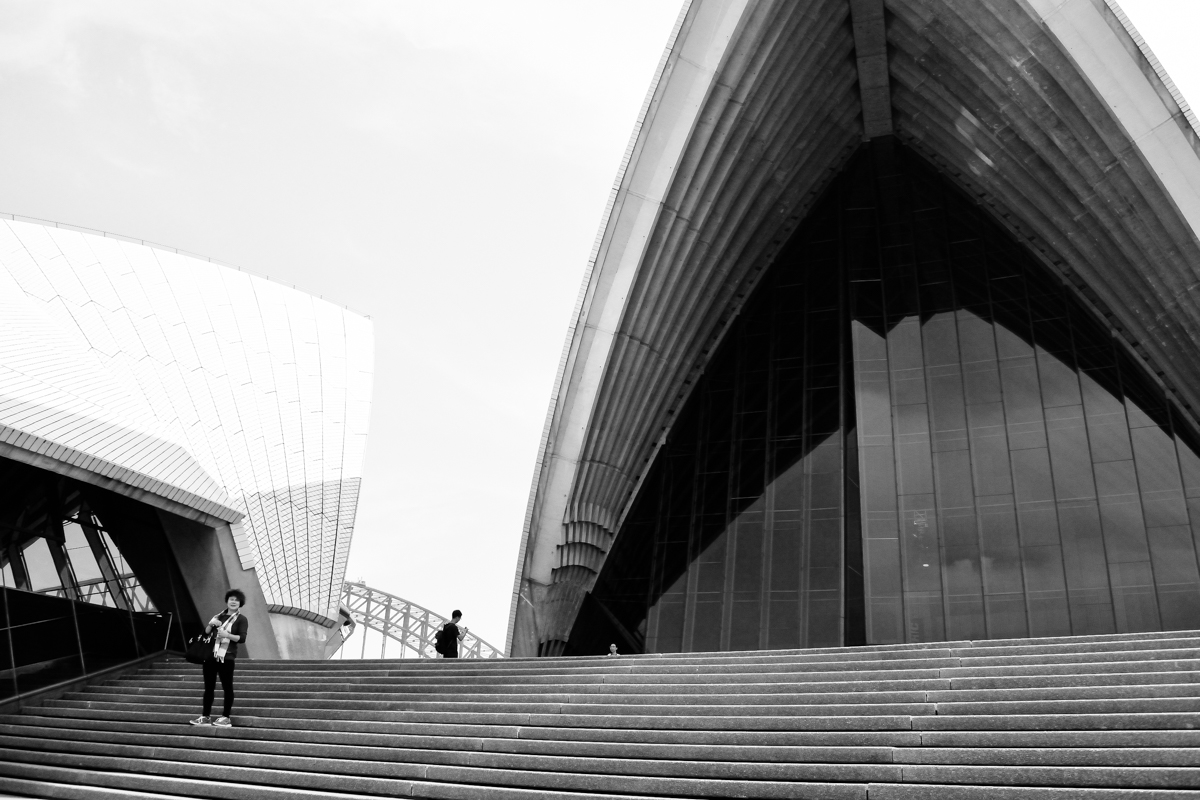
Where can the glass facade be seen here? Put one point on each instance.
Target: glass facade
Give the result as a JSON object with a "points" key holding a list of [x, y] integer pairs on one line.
{"points": [[913, 432], [87, 581]]}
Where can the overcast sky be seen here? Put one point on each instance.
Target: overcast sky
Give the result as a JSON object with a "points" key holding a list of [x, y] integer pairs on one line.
{"points": [[439, 166]]}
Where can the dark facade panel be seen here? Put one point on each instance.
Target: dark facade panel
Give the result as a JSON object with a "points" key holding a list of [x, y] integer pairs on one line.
{"points": [[87, 581], [913, 432]]}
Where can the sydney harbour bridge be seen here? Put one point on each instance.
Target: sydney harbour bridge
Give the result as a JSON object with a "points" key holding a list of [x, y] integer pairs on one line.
{"points": [[399, 620]]}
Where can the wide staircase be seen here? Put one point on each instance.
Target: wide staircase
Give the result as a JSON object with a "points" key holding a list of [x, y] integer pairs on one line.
{"points": [[1078, 717]]}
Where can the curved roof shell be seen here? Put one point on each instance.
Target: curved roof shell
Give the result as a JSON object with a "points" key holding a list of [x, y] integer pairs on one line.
{"points": [[198, 388], [1052, 113]]}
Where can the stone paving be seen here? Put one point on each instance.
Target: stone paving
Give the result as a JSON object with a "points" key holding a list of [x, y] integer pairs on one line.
{"points": [[1078, 717]]}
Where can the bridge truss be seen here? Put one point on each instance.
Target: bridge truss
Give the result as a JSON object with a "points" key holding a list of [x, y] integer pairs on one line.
{"points": [[409, 624]]}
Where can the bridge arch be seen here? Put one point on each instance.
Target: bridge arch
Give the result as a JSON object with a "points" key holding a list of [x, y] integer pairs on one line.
{"points": [[413, 626]]}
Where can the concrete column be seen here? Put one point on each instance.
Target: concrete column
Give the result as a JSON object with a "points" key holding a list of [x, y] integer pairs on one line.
{"points": [[209, 561]]}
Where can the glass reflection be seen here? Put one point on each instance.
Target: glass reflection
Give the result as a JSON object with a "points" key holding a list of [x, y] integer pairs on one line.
{"points": [[912, 433]]}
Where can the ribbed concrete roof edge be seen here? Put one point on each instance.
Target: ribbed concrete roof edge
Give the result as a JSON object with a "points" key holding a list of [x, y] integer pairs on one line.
{"points": [[573, 329], [1053, 114], [86, 468], [1157, 66]]}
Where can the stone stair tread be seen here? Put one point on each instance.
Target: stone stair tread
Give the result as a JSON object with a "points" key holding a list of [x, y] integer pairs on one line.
{"points": [[845, 659], [698, 684], [438, 735], [390, 762], [754, 780], [411, 731], [940, 692], [1050, 756], [452, 750], [497, 711], [1070, 718], [1062, 738], [454, 701], [508, 689], [37, 780], [409, 780], [581, 707], [943, 668], [927, 791], [1040, 722], [381, 748]]}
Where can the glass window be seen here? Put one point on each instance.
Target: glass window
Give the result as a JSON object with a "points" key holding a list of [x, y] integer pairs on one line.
{"points": [[43, 574], [83, 562], [892, 451]]}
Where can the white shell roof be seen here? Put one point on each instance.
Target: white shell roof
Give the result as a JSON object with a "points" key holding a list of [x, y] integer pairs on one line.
{"points": [[213, 389]]}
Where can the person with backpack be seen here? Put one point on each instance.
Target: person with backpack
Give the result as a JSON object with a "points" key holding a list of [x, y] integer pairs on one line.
{"points": [[446, 640], [228, 630]]}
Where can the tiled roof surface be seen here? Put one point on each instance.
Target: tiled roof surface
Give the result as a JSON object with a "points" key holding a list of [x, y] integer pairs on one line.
{"points": [[210, 387]]}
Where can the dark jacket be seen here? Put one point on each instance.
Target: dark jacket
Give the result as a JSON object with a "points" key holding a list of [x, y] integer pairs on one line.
{"points": [[450, 648], [239, 629]]}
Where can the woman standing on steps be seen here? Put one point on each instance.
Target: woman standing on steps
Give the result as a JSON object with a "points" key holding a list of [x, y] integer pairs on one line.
{"points": [[230, 631]]}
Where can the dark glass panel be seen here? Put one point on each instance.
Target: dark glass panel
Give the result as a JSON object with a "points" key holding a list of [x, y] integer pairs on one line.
{"points": [[107, 636], [786, 562], [1121, 512], [1045, 585], [913, 432], [1060, 383], [1070, 458], [881, 560], [1135, 605], [1084, 563], [8, 677], [1159, 481], [44, 641], [1173, 558]]}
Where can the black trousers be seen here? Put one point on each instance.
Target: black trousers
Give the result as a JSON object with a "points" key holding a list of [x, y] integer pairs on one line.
{"points": [[213, 668]]}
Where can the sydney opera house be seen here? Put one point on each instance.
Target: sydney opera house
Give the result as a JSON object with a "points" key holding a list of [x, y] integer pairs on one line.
{"points": [[169, 428], [891, 335]]}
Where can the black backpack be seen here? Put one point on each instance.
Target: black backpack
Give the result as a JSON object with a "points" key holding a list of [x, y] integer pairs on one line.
{"points": [[440, 640]]}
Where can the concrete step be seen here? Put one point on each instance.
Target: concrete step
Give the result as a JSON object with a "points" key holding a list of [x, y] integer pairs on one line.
{"points": [[610, 775], [932, 692], [1068, 663], [510, 712], [38, 780], [409, 734], [846, 659], [1145, 640], [1069, 718], [194, 683], [404, 734], [456, 700], [243, 716], [455, 750], [394, 762], [340, 744], [843, 704], [881, 681], [400, 779]]}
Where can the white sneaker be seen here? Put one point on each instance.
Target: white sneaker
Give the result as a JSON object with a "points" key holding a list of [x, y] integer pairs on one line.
{"points": [[222, 722], [201, 721]]}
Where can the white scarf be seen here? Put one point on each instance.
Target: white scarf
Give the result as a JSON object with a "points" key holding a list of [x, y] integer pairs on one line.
{"points": [[220, 646]]}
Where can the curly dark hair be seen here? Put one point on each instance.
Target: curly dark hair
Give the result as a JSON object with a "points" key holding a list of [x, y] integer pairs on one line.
{"points": [[238, 593]]}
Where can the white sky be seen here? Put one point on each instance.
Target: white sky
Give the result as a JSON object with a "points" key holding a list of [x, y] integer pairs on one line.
{"points": [[440, 166]]}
